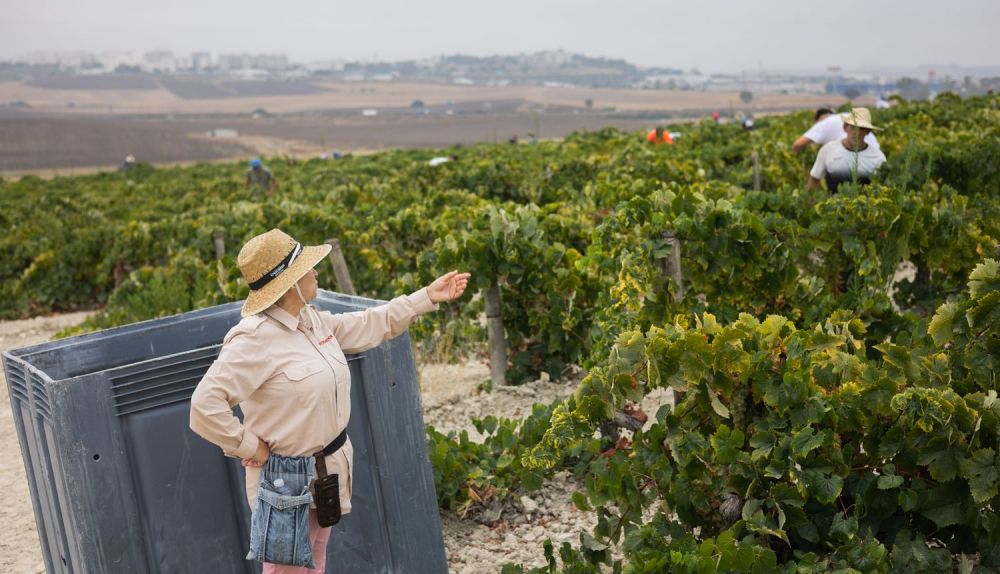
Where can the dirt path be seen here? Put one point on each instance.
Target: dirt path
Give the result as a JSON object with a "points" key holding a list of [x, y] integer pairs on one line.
{"points": [[450, 397]]}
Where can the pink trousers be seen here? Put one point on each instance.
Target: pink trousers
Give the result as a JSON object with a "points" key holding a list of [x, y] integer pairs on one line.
{"points": [[319, 537]]}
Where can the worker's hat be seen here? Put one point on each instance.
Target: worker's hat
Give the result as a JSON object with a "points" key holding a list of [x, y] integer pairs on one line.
{"points": [[859, 118], [271, 263]]}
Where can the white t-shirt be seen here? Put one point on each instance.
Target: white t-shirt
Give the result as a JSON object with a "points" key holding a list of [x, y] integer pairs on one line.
{"points": [[840, 163], [831, 128]]}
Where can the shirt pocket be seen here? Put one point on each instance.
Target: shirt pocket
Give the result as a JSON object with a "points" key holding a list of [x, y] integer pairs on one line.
{"points": [[303, 370], [313, 385]]}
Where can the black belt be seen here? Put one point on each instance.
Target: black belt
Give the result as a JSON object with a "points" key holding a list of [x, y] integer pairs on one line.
{"points": [[335, 445]]}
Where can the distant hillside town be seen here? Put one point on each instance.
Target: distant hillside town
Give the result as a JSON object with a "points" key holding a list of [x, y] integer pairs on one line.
{"points": [[549, 68]]}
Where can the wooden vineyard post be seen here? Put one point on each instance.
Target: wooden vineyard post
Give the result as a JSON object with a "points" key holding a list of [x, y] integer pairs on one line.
{"points": [[220, 245], [119, 271], [670, 270], [670, 266], [498, 345], [340, 271], [756, 170]]}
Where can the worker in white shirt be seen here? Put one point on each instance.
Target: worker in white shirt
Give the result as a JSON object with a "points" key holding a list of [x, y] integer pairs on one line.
{"points": [[828, 127], [850, 158]]}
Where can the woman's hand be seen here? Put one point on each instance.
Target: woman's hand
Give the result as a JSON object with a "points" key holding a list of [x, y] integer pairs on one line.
{"points": [[448, 287], [259, 457]]}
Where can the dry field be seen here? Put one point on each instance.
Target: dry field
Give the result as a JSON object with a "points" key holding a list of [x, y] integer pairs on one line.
{"points": [[347, 96], [76, 125]]}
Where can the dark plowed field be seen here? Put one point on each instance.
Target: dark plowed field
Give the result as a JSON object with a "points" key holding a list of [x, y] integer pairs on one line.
{"points": [[31, 142], [201, 89], [96, 83]]}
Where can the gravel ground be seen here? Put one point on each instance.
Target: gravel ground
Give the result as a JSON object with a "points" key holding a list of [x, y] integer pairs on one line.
{"points": [[474, 548], [450, 399]]}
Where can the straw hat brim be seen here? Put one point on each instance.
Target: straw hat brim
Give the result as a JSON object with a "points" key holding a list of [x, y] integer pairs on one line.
{"points": [[267, 295], [848, 120]]}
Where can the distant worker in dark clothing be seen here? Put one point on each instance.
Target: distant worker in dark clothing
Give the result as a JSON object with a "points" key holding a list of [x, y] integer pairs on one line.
{"points": [[129, 163], [850, 158], [827, 127], [260, 180], [659, 136]]}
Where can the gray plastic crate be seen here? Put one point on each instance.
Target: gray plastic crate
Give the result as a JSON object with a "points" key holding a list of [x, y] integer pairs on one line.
{"points": [[119, 483]]}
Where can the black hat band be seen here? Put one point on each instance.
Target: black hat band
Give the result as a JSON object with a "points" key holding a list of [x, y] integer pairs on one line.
{"points": [[281, 266]]}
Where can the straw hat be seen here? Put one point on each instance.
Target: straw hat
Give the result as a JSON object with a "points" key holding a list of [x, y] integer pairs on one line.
{"points": [[859, 117], [271, 263]]}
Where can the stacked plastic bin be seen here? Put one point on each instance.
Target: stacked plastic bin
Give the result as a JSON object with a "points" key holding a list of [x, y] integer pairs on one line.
{"points": [[119, 483]]}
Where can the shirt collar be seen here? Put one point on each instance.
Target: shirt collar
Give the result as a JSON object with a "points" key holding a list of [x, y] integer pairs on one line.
{"points": [[283, 317]]}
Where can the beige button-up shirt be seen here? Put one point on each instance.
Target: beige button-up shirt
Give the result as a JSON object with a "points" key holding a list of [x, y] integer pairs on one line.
{"points": [[291, 380]]}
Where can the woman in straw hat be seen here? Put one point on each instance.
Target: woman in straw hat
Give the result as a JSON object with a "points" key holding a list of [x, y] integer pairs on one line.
{"points": [[850, 158], [284, 365]]}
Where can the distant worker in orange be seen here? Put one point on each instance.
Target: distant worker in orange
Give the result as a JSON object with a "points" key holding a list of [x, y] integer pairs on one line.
{"points": [[659, 136]]}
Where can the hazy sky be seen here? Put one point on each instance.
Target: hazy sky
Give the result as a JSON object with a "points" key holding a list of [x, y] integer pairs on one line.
{"points": [[716, 35]]}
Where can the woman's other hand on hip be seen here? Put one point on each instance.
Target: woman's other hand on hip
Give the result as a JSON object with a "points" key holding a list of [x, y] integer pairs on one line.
{"points": [[260, 457]]}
